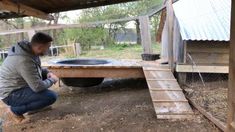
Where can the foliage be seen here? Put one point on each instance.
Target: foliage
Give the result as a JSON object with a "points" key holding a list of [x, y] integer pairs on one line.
{"points": [[85, 36], [102, 34], [120, 51]]}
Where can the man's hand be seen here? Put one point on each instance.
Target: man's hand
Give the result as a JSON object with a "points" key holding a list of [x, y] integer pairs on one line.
{"points": [[53, 76]]}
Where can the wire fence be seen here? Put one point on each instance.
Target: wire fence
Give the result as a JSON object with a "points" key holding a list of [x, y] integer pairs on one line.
{"points": [[209, 90]]}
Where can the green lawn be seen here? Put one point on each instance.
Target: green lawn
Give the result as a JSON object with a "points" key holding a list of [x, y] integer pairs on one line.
{"points": [[112, 52], [120, 52]]}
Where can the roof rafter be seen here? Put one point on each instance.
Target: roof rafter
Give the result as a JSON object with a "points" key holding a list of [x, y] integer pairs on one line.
{"points": [[23, 9]]}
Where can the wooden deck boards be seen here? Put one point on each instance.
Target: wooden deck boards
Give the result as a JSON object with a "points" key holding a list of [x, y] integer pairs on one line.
{"points": [[167, 96]]}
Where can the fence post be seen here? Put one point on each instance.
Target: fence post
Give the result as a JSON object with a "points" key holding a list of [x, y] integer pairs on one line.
{"points": [[170, 19], [145, 34], [77, 49], [231, 90]]}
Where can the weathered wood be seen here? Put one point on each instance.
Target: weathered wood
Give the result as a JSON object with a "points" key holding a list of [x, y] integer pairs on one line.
{"points": [[208, 58], [182, 78], [159, 75], [170, 19], [168, 95], [208, 47], [145, 34], [231, 91], [163, 84], [168, 99], [23, 9], [98, 72], [77, 49], [202, 68]]}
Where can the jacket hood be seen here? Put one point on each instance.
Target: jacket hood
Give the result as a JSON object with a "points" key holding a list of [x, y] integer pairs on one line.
{"points": [[22, 48]]}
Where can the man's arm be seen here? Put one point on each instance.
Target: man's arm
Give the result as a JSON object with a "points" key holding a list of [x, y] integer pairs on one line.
{"points": [[45, 73], [28, 70]]}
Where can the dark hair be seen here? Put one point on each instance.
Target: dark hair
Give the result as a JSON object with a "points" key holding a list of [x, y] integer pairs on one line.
{"points": [[41, 38]]}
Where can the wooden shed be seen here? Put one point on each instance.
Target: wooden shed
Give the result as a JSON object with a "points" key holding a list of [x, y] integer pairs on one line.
{"points": [[201, 34]]}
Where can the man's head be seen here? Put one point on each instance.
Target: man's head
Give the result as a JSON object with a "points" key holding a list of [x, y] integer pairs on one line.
{"points": [[40, 43]]}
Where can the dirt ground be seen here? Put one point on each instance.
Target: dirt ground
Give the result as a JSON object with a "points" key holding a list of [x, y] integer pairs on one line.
{"points": [[212, 96], [116, 105]]}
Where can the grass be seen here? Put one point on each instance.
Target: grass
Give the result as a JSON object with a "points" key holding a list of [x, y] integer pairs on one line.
{"points": [[119, 52], [111, 52]]}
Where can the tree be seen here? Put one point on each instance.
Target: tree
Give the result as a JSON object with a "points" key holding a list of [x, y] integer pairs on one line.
{"points": [[117, 11]]}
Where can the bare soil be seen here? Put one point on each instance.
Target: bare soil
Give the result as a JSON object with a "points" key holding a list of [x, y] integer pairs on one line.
{"points": [[212, 96], [116, 105]]}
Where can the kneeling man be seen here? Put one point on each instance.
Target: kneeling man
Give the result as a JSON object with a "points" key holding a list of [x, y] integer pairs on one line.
{"points": [[23, 83]]}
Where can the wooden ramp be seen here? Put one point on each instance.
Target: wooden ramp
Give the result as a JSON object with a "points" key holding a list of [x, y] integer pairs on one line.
{"points": [[167, 96]]}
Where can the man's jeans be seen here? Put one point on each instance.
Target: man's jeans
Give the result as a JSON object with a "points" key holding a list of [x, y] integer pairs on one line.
{"points": [[25, 99]]}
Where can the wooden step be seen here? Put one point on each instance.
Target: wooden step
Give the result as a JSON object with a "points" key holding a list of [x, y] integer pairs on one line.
{"points": [[163, 84], [167, 96]]}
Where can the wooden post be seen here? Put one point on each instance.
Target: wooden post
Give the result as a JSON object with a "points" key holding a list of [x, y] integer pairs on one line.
{"points": [[77, 49], [170, 19], [145, 34], [231, 91]]}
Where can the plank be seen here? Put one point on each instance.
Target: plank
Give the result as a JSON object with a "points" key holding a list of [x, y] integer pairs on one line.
{"points": [[145, 34], [24, 9], [173, 108], [98, 72], [202, 68], [164, 89], [159, 75], [209, 58], [163, 84], [167, 96], [186, 116]]}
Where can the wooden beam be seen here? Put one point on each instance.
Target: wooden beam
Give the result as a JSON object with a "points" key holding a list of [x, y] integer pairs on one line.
{"points": [[98, 72], [202, 69], [23, 9], [145, 34], [170, 19], [231, 91]]}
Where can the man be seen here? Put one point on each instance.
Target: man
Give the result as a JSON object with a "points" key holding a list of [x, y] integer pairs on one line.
{"points": [[23, 83]]}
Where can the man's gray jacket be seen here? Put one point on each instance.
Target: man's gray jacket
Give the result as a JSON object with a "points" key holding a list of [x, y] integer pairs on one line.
{"points": [[22, 69]]}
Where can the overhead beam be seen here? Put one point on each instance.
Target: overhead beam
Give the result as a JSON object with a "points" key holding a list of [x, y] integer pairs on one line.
{"points": [[23, 9]]}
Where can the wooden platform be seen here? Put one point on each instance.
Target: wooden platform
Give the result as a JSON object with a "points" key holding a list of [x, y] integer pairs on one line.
{"points": [[115, 69], [167, 96], [216, 68]]}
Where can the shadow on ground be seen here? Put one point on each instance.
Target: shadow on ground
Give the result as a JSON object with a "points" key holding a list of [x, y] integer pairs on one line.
{"points": [[116, 105]]}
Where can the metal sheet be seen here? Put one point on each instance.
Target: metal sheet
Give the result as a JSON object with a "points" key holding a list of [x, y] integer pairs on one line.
{"points": [[204, 19]]}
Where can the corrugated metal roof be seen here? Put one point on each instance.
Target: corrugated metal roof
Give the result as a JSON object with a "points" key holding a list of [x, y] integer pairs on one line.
{"points": [[204, 19]]}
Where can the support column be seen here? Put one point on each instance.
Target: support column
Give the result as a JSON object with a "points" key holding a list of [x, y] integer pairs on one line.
{"points": [[231, 91], [145, 34], [170, 19]]}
